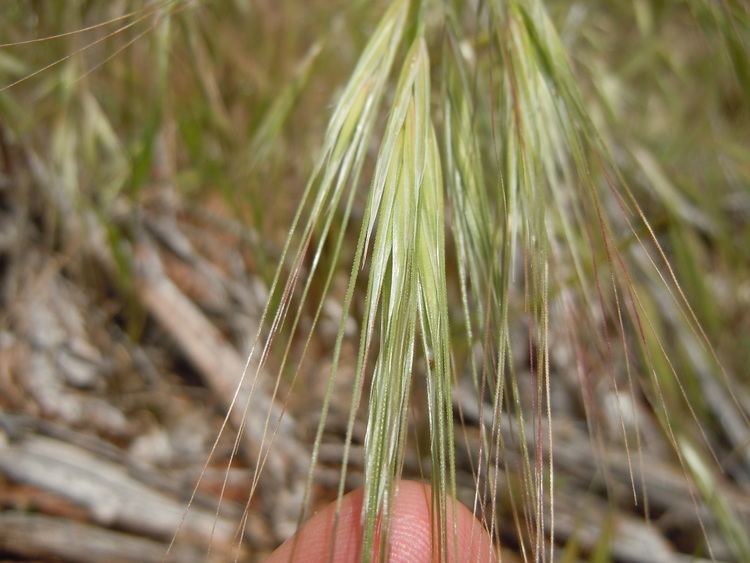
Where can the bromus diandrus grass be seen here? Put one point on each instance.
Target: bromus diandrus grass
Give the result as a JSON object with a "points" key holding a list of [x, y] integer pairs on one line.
{"points": [[506, 232], [541, 222]]}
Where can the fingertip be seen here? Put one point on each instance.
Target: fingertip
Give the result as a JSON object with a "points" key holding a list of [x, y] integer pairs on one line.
{"points": [[411, 532], [414, 536], [325, 535]]}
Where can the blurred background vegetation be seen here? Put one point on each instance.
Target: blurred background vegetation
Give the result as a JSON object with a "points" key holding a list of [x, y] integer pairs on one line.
{"points": [[152, 156]]}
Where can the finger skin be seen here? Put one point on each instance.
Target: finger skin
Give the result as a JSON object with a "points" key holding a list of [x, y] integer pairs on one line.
{"points": [[410, 536]]}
